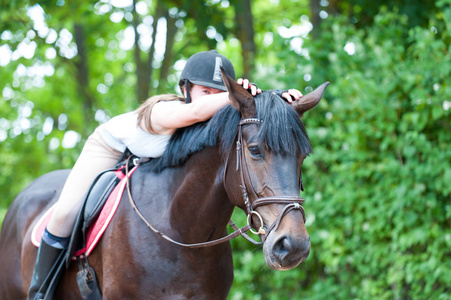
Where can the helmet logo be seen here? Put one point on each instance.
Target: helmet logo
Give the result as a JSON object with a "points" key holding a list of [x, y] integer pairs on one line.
{"points": [[217, 74]]}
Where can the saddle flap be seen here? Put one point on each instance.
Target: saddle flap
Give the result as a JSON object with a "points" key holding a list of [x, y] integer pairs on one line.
{"points": [[97, 196]]}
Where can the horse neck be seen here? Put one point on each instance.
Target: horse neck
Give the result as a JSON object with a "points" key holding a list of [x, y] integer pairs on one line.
{"points": [[200, 207]]}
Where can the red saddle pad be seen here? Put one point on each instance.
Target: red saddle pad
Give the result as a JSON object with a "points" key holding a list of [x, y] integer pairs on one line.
{"points": [[96, 231]]}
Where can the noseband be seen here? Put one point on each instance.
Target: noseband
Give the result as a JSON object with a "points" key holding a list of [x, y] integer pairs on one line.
{"points": [[291, 202]]}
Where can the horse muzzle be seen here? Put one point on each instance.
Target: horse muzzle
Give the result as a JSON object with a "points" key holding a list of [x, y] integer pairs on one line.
{"points": [[286, 245], [285, 251]]}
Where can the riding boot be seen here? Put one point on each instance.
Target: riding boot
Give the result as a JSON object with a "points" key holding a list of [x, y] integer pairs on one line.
{"points": [[50, 256]]}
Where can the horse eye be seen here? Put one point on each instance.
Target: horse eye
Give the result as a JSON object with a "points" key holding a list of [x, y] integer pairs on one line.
{"points": [[254, 151]]}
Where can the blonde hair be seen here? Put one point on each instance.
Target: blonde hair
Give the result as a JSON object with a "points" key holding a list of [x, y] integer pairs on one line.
{"points": [[144, 110]]}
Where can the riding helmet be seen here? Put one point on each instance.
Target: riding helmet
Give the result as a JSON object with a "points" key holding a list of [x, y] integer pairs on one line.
{"points": [[203, 68]]}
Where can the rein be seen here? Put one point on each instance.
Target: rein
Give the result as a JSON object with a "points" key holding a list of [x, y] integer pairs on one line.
{"points": [[292, 202], [238, 231]]}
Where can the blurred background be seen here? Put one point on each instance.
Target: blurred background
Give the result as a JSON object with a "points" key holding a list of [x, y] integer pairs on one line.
{"points": [[378, 185]]}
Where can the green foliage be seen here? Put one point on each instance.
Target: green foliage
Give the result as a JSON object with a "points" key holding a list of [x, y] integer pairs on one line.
{"points": [[362, 12], [378, 194]]}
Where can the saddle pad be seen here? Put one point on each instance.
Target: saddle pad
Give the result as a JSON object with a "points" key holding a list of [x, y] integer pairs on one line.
{"points": [[96, 231]]}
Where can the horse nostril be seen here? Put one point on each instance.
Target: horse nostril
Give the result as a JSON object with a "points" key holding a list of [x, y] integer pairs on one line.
{"points": [[282, 248]]}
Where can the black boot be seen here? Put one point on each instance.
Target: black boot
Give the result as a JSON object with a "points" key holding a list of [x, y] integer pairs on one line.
{"points": [[49, 262]]}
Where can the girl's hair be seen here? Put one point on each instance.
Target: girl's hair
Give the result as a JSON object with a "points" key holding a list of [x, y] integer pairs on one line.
{"points": [[145, 110]]}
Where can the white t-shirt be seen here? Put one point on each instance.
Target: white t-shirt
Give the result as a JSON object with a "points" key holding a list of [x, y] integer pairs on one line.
{"points": [[123, 132]]}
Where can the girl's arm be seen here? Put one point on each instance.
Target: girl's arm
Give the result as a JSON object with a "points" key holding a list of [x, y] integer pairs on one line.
{"points": [[166, 117]]}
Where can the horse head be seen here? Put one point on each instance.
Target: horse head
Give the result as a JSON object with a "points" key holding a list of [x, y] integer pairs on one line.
{"points": [[271, 147]]}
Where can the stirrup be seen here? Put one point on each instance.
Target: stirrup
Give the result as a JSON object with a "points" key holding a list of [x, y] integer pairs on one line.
{"points": [[86, 280]]}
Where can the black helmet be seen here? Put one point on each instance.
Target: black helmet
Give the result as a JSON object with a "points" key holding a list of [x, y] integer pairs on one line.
{"points": [[203, 68]]}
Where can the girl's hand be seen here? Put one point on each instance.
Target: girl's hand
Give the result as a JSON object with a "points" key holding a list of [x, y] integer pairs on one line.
{"points": [[251, 87], [288, 95], [291, 95]]}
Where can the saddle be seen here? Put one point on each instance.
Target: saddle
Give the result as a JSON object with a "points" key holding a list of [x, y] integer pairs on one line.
{"points": [[98, 194], [95, 200], [100, 204]]}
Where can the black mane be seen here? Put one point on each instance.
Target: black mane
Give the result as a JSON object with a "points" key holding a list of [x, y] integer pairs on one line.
{"points": [[282, 131]]}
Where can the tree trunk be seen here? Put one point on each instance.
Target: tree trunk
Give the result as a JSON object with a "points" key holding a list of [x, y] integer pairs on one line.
{"points": [[144, 67], [315, 8], [142, 86], [171, 30], [334, 7], [245, 33], [81, 64], [159, 13]]}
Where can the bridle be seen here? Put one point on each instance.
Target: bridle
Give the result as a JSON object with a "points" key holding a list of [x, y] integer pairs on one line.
{"points": [[292, 202]]}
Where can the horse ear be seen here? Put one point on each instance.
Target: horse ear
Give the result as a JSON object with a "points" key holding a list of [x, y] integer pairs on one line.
{"points": [[241, 99], [310, 100]]}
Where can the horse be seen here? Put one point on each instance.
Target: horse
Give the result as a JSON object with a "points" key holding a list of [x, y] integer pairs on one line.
{"points": [[248, 155]]}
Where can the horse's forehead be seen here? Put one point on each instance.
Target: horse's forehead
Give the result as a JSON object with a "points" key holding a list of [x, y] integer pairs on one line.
{"points": [[251, 131]]}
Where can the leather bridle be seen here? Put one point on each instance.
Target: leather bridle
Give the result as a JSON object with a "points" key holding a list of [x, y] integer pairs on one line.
{"points": [[291, 202]]}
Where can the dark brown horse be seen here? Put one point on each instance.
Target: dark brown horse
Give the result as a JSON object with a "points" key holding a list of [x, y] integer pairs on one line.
{"points": [[189, 195]]}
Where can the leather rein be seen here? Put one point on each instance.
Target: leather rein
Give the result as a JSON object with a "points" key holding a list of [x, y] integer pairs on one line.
{"points": [[290, 201]]}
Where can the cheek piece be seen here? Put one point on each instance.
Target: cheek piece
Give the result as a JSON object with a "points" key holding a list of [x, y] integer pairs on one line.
{"points": [[188, 96]]}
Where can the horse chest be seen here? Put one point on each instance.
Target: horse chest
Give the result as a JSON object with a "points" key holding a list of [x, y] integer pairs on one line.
{"points": [[148, 265]]}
